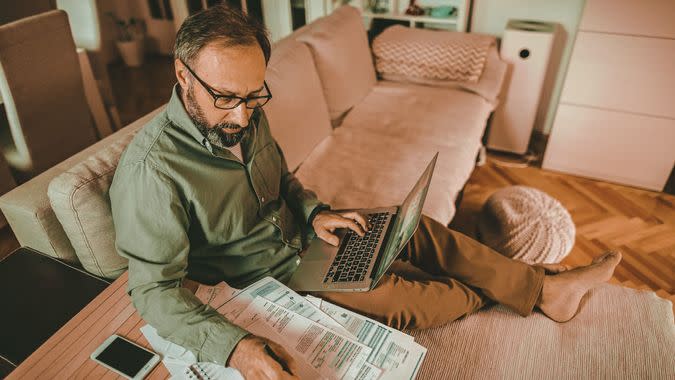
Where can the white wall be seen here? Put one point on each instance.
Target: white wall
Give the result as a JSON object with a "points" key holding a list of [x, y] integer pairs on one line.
{"points": [[277, 16], [490, 16], [92, 28]]}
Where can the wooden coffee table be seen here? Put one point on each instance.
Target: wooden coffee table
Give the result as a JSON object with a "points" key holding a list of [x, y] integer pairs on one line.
{"points": [[66, 353]]}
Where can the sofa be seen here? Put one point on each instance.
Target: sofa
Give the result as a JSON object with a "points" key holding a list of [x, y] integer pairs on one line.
{"points": [[362, 142], [354, 140]]}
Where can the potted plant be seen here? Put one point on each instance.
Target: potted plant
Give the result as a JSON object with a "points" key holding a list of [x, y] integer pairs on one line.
{"points": [[130, 40]]}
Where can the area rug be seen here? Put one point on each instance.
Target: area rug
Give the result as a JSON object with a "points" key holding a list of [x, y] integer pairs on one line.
{"points": [[618, 333]]}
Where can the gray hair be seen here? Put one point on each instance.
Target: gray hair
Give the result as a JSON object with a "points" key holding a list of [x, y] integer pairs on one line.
{"points": [[222, 24]]}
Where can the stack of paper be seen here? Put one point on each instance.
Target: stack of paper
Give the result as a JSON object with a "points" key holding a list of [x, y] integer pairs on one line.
{"points": [[327, 341]]}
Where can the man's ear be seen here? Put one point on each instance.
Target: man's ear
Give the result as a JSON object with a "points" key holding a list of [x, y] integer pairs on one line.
{"points": [[181, 74]]}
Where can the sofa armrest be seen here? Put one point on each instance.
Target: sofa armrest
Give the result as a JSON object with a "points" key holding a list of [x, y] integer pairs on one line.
{"points": [[27, 207]]}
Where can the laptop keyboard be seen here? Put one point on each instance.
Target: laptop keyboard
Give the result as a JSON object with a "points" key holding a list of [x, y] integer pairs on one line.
{"points": [[354, 256]]}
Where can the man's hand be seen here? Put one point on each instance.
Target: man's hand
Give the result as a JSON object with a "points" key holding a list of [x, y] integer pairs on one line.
{"points": [[254, 358], [325, 222]]}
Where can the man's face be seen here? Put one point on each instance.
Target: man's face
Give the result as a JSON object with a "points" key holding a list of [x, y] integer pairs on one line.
{"points": [[236, 70]]}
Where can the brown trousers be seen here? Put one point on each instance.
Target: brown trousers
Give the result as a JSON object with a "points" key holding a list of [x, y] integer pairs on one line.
{"points": [[442, 275]]}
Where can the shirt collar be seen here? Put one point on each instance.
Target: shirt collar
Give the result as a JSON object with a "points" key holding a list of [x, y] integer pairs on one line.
{"points": [[180, 118]]}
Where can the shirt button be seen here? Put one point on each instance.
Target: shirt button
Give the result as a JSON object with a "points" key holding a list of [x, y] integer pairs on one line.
{"points": [[274, 218], [262, 199]]}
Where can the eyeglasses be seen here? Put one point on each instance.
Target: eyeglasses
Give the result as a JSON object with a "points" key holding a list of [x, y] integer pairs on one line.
{"points": [[228, 102]]}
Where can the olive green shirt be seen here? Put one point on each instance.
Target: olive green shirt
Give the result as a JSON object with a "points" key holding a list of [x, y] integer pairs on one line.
{"points": [[185, 208]]}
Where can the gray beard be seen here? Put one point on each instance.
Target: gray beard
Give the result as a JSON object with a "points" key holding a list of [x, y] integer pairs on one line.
{"points": [[213, 134]]}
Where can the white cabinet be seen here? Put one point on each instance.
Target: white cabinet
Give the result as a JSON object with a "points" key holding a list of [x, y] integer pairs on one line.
{"points": [[616, 117], [620, 72], [611, 145], [634, 17]]}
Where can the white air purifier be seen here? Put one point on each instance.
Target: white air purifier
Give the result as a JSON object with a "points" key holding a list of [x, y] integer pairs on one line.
{"points": [[526, 46]]}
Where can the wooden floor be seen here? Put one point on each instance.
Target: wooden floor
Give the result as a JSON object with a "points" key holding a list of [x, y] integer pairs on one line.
{"points": [[639, 223], [139, 90]]}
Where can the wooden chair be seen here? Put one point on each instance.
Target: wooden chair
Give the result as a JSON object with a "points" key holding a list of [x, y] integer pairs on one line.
{"points": [[12, 10], [42, 88]]}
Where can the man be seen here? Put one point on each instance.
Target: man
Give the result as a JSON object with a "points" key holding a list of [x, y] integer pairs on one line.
{"points": [[203, 191]]}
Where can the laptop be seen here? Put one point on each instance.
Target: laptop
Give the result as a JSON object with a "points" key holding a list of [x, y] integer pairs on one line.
{"points": [[358, 263]]}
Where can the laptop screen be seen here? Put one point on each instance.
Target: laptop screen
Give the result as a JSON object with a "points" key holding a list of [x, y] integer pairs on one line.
{"points": [[406, 220]]}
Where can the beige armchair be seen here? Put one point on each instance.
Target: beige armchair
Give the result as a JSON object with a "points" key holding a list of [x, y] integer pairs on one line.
{"points": [[42, 89]]}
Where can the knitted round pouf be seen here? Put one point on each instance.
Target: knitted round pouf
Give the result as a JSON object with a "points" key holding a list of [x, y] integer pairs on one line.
{"points": [[526, 224]]}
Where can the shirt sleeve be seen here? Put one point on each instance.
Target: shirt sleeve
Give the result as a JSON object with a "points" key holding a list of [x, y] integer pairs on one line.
{"points": [[151, 225]]}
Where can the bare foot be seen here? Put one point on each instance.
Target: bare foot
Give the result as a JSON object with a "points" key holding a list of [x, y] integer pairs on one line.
{"points": [[562, 292]]}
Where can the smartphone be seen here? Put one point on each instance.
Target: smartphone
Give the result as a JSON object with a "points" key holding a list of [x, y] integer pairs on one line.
{"points": [[125, 358]]}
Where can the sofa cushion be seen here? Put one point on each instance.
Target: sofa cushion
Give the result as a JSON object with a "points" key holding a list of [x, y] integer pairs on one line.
{"points": [[297, 113], [431, 54], [340, 49], [489, 86], [421, 113], [80, 200], [358, 168]]}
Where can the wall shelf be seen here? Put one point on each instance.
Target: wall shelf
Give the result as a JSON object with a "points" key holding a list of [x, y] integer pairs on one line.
{"points": [[413, 20], [457, 21]]}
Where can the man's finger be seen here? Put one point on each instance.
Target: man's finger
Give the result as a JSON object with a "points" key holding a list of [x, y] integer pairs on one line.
{"points": [[359, 218], [328, 237], [352, 225], [283, 355], [341, 222], [288, 376], [273, 371]]}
